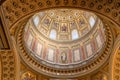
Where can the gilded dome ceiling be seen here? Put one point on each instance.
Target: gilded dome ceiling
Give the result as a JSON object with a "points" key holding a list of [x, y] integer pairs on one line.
{"points": [[64, 38], [64, 24]]}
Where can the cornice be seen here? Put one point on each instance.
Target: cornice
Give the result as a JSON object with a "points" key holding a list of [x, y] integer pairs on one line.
{"points": [[114, 60], [16, 9], [54, 72]]}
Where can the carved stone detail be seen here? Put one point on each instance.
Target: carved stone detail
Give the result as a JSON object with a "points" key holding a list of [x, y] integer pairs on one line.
{"points": [[84, 69], [16, 9], [8, 65]]}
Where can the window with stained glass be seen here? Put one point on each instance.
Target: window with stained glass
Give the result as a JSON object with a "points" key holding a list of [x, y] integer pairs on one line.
{"points": [[91, 21], [75, 34], [36, 20], [53, 34]]}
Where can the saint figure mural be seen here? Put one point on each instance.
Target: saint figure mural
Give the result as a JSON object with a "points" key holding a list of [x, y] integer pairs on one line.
{"points": [[63, 57], [64, 28], [47, 22]]}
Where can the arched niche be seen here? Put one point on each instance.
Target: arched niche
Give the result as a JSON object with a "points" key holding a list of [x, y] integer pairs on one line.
{"points": [[115, 61]]}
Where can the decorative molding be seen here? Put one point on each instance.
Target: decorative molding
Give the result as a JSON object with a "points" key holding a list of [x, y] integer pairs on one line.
{"points": [[4, 45], [17, 9], [8, 65], [73, 72], [0, 69], [115, 61], [99, 76], [28, 76]]}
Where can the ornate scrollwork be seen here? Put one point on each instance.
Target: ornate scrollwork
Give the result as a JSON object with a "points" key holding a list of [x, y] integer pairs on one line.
{"points": [[90, 5], [73, 72], [8, 65]]}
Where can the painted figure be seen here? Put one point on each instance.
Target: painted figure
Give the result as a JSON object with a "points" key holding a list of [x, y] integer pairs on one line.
{"points": [[47, 22], [81, 22], [63, 57], [64, 28], [73, 25]]}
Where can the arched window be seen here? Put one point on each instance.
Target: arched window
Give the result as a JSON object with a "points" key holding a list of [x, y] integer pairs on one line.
{"points": [[74, 34], [36, 20], [92, 21], [53, 34]]}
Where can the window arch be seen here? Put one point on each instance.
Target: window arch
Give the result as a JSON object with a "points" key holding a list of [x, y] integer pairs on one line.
{"points": [[74, 34], [53, 34], [92, 21], [36, 20]]}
